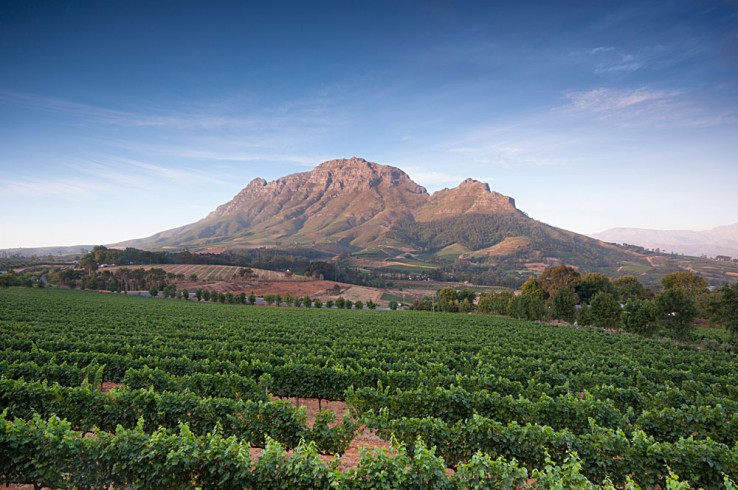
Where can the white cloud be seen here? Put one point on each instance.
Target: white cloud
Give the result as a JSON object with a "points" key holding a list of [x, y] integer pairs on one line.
{"points": [[602, 49], [602, 100]]}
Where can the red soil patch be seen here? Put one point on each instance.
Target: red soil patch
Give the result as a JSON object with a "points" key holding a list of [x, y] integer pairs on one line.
{"points": [[109, 385], [366, 439]]}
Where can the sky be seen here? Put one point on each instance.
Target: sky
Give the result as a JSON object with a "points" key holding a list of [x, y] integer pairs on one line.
{"points": [[120, 119]]}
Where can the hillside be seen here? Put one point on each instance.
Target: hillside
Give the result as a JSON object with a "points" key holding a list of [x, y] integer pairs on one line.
{"points": [[376, 218]]}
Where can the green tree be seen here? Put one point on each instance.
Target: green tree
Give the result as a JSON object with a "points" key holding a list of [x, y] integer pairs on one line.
{"points": [[393, 305], [447, 298], [676, 312], [340, 302], [592, 283], [329, 304], [527, 307], [307, 301], [564, 305], [198, 294], [185, 294], [317, 303], [729, 307], [348, 304], [371, 305], [690, 282], [532, 289], [495, 303], [252, 299], [558, 277], [628, 287], [269, 298], [605, 310], [359, 305], [154, 291], [639, 316], [466, 294]]}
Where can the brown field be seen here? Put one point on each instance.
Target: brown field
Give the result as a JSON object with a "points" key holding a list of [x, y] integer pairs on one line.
{"points": [[224, 278]]}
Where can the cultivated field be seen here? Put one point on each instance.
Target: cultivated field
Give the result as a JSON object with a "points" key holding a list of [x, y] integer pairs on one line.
{"points": [[199, 399]]}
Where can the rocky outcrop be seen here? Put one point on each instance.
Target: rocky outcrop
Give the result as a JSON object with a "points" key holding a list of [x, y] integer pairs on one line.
{"points": [[348, 201]]}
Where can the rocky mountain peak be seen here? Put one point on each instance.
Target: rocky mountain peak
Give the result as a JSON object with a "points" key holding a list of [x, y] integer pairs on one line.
{"points": [[356, 174]]}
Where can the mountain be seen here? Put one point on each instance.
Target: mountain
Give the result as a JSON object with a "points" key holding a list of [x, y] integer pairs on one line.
{"points": [[720, 241], [378, 214]]}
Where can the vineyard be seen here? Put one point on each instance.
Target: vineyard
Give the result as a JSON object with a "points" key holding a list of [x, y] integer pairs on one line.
{"points": [[467, 401]]}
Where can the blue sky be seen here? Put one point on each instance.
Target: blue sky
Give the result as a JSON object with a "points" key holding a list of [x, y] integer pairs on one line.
{"points": [[122, 119]]}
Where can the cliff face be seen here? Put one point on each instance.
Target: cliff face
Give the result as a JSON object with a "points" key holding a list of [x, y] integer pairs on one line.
{"points": [[471, 196], [351, 202]]}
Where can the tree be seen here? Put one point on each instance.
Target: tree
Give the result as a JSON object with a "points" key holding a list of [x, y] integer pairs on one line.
{"points": [[729, 307], [531, 288], [348, 304], [307, 301], [605, 310], [393, 305], [466, 294], [447, 298], [676, 312], [229, 298], [639, 316], [592, 283], [198, 294], [185, 294], [495, 303], [340, 302], [558, 277], [359, 305], [269, 298], [371, 305], [692, 283], [241, 298], [628, 287], [329, 304], [252, 299], [153, 292], [564, 305], [317, 303], [527, 307]]}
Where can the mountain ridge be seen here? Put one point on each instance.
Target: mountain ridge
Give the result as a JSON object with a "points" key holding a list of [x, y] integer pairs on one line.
{"points": [[352, 202], [376, 218]]}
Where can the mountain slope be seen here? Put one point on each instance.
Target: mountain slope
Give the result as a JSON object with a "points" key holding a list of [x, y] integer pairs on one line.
{"points": [[722, 240], [350, 202], [352, 205]]}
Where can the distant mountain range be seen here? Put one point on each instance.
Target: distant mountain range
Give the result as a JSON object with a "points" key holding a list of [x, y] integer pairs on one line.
{"points": [[720, 241]]}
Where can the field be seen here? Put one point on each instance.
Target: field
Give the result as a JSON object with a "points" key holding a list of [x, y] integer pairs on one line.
{"points": [[469, 401], [224, 278]]}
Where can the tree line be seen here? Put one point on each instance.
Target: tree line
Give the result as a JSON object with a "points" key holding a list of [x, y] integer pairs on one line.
{"points": [[562, 293]]}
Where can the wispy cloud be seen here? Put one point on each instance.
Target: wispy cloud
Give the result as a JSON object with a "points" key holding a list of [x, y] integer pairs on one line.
{"points": [[101, 176], [59, 187], [604, 101], [602, 49], [643, 106], [276, 118]]}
